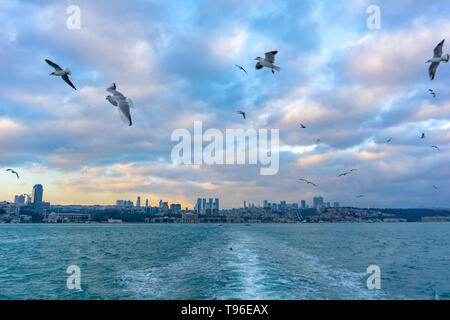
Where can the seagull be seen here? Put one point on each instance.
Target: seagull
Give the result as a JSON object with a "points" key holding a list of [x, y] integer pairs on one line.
{"points": [[360, 196], [308, 182], [436, 147], [241, 112], [389, 140], [240, 67], [318, 140], [436, 60], [268, 61], [122, 102], [422, 136], [64, 74], [432, 93], [302, 126], [13, 172], [434, 186]]}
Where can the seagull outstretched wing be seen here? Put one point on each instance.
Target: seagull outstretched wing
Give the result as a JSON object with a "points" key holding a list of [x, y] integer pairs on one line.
{"points": [[438, 49], [54, 65], [66, 79], [14, 172], [432, 69], [124, 111], [270, 56]]}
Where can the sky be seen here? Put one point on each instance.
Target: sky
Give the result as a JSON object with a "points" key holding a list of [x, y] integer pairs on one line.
{"points": [[353, 87]]}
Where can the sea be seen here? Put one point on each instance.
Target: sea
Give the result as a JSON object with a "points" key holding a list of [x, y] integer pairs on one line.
{"points": [[229, 261]]}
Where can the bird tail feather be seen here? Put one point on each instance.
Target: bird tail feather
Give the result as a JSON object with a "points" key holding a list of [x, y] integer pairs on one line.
{"points": [[446, 58]]}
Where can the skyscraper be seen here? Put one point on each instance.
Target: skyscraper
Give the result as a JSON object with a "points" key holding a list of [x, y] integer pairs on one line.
{"points": [[198, 206], [210, 203], [146, 203], [138, 202], [37, 195], [245, 204], [204, 206], [266, 204], [303, 204], [216, 204], [318, 201]]}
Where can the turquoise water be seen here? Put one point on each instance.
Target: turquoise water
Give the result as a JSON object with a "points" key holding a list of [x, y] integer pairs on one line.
{"points": [[268, 261]]}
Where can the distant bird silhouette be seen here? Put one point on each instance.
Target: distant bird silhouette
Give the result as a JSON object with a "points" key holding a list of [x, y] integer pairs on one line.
{"points": [[434, 186], [318, 140], [267, 61], [389, 140], [13, 172], [64, 74], [436, 147], [422, 136], [436, 60], [302, 126], [240, 67], [432, 93], [343, 174], [308, 182], [360, 196], [241, 112]]}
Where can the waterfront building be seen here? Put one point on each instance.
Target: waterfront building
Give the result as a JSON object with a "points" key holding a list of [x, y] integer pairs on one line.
{"points": [[37, 195]]}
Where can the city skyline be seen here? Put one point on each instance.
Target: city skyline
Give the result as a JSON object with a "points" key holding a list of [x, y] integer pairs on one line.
{"points": [[336, 79]]}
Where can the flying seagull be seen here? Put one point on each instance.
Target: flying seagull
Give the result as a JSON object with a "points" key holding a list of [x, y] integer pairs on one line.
{"points": [[436, 60], [241, 112], [389, 140], [360, 196], [432, 93], [122, 103], [318, 140], [240, 67], [267, 61], [302, 126], [434, 186], [308, 182], [13, 172], [436, 147], [64, 74], [422, 136]]}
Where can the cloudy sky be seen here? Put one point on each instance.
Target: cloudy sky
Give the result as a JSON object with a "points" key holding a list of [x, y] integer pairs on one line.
{"points": [[353, 87]]}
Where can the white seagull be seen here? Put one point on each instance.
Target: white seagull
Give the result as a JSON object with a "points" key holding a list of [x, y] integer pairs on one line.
{"points": [[267, 61], [119, 100], [64, 74], [436, 60]]}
